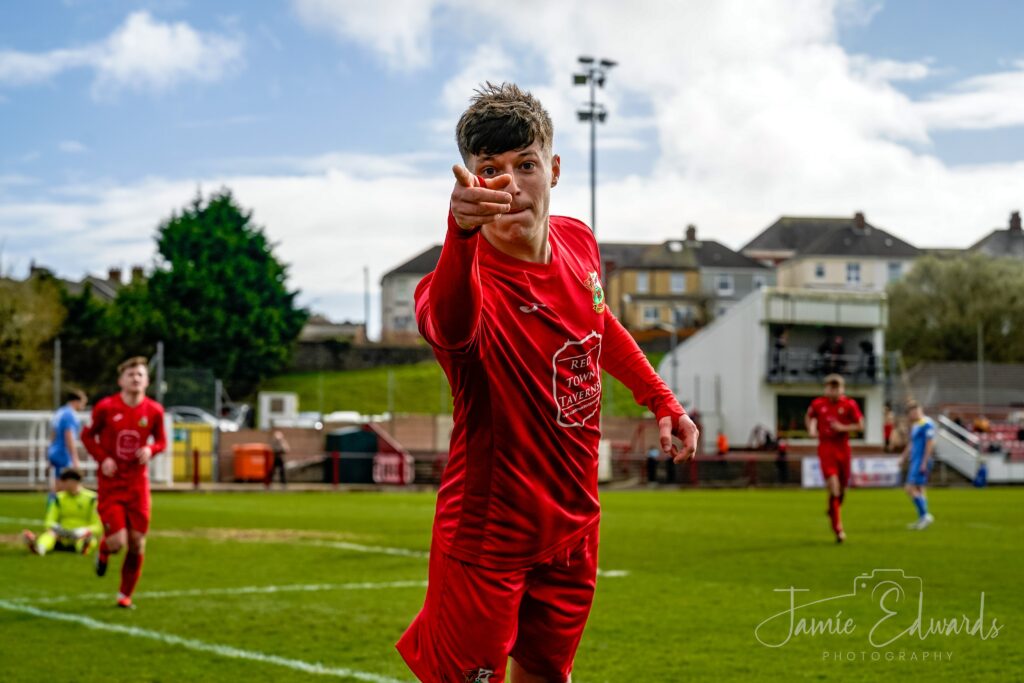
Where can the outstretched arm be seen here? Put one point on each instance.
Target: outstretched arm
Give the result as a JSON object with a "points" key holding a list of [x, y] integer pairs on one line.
{"points": [[624, 360], [452, 312]]}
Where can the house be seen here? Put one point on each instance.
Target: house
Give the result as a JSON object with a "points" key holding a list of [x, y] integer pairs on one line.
{"points": [[319, 328], [683, 282], [832, 253], [1009, 242], [679, 282], [104, 289], [397, 287], [763, 361]]}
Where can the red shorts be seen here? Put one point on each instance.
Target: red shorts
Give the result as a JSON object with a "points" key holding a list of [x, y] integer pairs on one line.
{"points": [[835, 460], [474, 618], [124, 508]]}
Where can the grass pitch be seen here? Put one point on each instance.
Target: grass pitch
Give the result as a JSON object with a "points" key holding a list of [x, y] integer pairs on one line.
{"points": [[303, 586]]}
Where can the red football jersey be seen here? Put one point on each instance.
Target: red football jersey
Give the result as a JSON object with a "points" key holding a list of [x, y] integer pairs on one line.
{"points": [[523, 348], [845, 411], [118, 431]]}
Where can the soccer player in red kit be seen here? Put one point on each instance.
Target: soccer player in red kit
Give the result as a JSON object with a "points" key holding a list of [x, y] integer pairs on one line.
{"points": [[516, 315], [831, 418], [127, 430]]}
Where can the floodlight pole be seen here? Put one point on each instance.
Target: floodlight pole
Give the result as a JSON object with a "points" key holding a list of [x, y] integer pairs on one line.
{"points": [[594, 74]]}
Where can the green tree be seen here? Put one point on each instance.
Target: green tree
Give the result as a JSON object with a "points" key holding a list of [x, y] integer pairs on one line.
{"points": [[30, 315], [935, 310], [218, 297]]}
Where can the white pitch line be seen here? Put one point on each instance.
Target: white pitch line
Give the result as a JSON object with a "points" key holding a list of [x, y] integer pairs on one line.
{"points": [[343, 545], [240, 590], [21, 520], [199, 645]]}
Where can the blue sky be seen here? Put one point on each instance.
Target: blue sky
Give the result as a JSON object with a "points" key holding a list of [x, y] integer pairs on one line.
{"points": [[332, 120]]}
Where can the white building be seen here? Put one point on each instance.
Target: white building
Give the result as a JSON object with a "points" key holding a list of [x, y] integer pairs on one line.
{"points": [[763, 361]]}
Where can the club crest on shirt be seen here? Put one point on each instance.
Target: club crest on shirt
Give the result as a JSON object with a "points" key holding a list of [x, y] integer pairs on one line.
{"points": [[576, 380], [596, 291], [143, 422]]}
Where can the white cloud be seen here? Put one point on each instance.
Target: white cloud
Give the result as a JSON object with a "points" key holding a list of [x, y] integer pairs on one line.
{"points": [[987, 101], [141, 54], [755, 110], [398, 29], [72, 147]]}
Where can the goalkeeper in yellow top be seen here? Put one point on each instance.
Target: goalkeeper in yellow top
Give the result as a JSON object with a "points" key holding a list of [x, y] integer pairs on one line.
{"points": [[72, 520]]}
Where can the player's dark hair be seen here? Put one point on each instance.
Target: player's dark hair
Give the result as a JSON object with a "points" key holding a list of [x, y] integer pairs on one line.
{"points": [[74, 395], [71, 474], [132, 362], [501, 118]]}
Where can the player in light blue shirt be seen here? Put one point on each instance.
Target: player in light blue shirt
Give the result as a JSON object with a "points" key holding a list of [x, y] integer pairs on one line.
{"points": [[920, 451], [63, 450]]}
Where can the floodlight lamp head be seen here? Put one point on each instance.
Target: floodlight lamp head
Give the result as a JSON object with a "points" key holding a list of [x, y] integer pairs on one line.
{"points": [[586, 60]]}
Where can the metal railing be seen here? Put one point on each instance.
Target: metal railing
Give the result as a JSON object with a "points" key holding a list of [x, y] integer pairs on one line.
{"points": [[801, 366]]}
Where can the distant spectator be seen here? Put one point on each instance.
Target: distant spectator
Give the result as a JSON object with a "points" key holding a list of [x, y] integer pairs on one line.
{"points": [[868, 363], [981, 425], [781, 464], [887, 426], [652, 465], [723, 443], [279, 446], [779, 354]]}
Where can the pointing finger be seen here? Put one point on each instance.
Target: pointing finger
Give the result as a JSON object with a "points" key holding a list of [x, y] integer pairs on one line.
{"points": [[463, 176]]}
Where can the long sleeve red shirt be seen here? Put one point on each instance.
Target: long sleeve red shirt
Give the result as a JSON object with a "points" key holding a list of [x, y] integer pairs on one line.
{"points": [[118, 431], [523, 345]]}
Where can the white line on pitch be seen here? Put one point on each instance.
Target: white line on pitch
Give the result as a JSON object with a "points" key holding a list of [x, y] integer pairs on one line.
{"points": [[21, 520], [384, 550], [240, 590], [199, 645]]}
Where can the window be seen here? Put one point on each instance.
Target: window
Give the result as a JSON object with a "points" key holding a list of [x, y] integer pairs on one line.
{"points": [[402, 322], [643, 283], [724, 285], [760, 281], [652, 314], [819, 271], [895, 270], [853, 273], [677, 281]]}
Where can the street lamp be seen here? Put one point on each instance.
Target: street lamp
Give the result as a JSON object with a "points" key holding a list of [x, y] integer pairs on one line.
{"points": [[594, 73]]}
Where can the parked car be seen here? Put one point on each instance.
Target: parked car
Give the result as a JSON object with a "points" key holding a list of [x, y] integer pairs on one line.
{"points": [[194, 415]]}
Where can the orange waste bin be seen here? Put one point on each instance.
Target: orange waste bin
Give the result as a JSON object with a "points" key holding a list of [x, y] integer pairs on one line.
{"points": [[251, 461]]}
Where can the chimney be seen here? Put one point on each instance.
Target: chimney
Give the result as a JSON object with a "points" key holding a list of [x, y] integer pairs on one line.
{"points": [[691, 233], [138, 274], [1015, 221], [859, 224], [114, 275]]}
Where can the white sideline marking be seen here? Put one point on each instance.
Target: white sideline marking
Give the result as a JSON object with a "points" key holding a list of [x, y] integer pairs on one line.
{"points": [[240, 590], [199, 645], [341, 545], [345, 545], [22, 520]]}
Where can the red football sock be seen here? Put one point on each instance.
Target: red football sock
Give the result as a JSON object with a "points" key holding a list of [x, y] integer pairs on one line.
{"points": [[833, 512], [130, 571], [104, 550]]}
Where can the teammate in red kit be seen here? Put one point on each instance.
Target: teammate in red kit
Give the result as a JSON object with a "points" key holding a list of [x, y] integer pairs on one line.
{"points": [[127, 430], [516, 316], [832, 418]]}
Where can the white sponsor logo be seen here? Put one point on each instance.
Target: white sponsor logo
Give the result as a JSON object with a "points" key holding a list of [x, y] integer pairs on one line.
{"points": [[532, 308], [576, 380]]}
